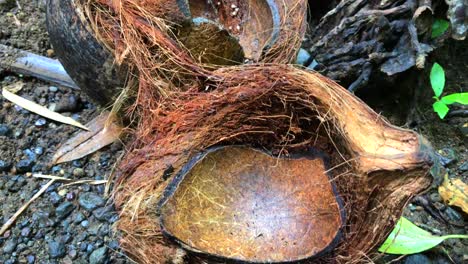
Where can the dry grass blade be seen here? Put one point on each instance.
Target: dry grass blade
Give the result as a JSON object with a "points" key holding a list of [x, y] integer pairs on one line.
{"points": [[103, 130], [40, 110], [92, 182], [50, 177], [24, 207]]}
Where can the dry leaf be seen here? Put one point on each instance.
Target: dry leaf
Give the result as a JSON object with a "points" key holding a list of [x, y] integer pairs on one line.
{"points": [[454, 192], [15, 87], [40, 110], [103, 130]]}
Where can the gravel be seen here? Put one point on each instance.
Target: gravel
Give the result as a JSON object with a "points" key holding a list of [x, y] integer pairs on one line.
{"points": [[90, 201]]}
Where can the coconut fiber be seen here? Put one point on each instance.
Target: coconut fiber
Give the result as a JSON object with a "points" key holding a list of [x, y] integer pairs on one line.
{"points": [[183, 105]]}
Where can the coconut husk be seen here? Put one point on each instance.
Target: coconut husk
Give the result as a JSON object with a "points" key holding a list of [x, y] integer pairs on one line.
{"points": [[184, 106]]}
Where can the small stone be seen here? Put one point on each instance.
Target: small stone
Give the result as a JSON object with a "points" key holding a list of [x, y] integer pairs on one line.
{"points": [[30, 259], [417, 259], [67, 104], [4, 130], [435, 197], [41, 122], [9, 246], [94, 228], [85, 223], [70, 196], [62, 192], [98, 256], [55, 198], [53, 89], [56, 249], [463, 167], [72, 253], [78, 172], [26, 232], [15, 183], [104, 213], [83, 247], [50, 53], [114, 245], [303, 57], [24, 165], [30, 154], [447, 156], [453, 215], [78, 217], [90, 201], [39, 150], [4, 166], [64, 210]]}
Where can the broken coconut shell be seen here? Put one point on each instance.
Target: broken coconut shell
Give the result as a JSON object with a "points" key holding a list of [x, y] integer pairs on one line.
{"points": [[214, 33], [240, 203]]}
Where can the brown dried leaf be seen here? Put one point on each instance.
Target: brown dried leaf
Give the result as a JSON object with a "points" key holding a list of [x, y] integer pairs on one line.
{"points": [[454, 192], [103, 130]]}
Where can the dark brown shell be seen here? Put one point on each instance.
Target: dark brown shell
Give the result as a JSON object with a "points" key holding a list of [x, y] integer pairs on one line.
{"points": [[87, 62]]}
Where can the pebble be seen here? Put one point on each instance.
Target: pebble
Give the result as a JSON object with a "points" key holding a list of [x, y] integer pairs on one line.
{"points": [[55, 198], [64, 209], [303, 57], [78, 172], [417, 259], [98, 256], [453, 215], [90, 201], [56, 249], [41, 122], [31, 259], [78, 217], [104, 213], [53, 89], [70, 196], [26, 232], [463, 167], [4, 130], [39, 150], [4, 166], [67, 104], [85, 223], [435, 197], [62, 192], [15, 183], [9, 246], [72, 253], [447, 156], [24, 165]]}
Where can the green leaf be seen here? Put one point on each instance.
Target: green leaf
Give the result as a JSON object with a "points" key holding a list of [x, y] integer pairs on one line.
{"points": [[461, 98], [441, 109], [437, 79], [439, 27], [407, 238]]}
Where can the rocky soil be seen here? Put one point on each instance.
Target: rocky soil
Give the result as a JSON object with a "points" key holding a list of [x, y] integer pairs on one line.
{"points": [[74, 224]]}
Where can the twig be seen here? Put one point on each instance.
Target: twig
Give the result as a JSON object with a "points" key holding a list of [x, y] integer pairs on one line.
{"points": [[50, 177], [10, 221], [92, 182]]}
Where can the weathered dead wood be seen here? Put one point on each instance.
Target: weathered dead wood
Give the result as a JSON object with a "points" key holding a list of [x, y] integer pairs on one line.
{"points": [[358, 39]]}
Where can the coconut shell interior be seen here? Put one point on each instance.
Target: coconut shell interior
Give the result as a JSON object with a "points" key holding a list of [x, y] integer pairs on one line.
{"points": [[243, 204], [255, 24]]}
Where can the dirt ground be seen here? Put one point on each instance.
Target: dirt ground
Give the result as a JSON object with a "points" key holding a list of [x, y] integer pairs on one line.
{"points": [[74, 225]]}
